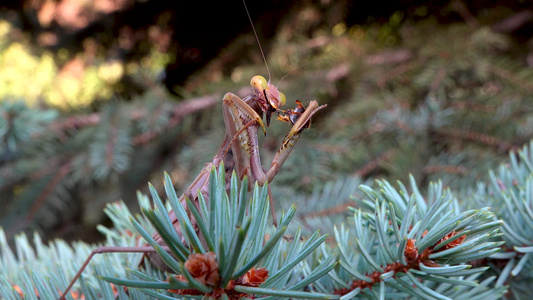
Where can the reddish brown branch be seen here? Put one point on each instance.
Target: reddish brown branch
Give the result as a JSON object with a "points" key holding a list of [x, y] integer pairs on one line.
{"points": [[107, 249], [465, 105], [483, 138], [76, 122], [413, 259], [109, 157], [461, 8], [450, 169], [182, 110], [373, 164], [513, 22], [439, 77], [376, 128], [503, 73], [335, 210], [395, 72], [63, 171]]}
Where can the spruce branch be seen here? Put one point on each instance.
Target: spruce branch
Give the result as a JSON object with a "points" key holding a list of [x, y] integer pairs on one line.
{"points": [[182, 110], [509, 192], [61, 155], [486, 139], [18, 124], [412, 245], [176, 114]]}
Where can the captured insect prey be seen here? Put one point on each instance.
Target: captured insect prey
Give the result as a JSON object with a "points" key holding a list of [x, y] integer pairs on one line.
{"points": [[293, 115]]}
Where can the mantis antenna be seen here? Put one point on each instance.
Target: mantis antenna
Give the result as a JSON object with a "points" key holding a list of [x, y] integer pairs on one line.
{"points": [[257, 38]]}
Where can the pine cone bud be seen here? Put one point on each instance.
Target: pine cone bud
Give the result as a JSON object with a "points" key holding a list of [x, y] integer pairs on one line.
{"points": [[411, 252], [455, 243], [255, 277], [203, 267]]}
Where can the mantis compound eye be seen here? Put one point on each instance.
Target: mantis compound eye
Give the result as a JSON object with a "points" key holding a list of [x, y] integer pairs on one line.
{"points": [[258, 82], [282, 99]]}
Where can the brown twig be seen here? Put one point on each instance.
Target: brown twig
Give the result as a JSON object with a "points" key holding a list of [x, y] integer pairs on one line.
{"points": [[335, 210], [469, 106], [183, 109], [63, 171], [503, 73], [373, 164], [413, 259], [513, 22], [460, 7], [450, 169], [38, 203], [483, 138], [109, 249], [395, 72], [388, 57], [376, 128], [439, 77]]}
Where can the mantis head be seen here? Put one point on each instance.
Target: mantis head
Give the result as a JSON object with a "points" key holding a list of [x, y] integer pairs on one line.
{"points": [[271, 98]]}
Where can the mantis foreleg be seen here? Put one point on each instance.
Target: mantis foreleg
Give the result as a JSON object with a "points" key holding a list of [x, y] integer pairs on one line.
{"points": [[245, 148]]}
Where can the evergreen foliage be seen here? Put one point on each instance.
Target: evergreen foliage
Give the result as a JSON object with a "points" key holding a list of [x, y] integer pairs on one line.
{"points": [[79, 161], [401, 245], [445, 103], [438, 101], [401, 241]]}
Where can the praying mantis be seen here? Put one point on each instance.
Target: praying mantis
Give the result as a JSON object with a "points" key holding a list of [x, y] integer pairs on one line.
{"points": [[240, 149], [239, 152]]}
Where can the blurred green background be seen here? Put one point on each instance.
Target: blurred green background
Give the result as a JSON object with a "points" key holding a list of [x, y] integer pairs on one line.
{"points": [[99, 97]]}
